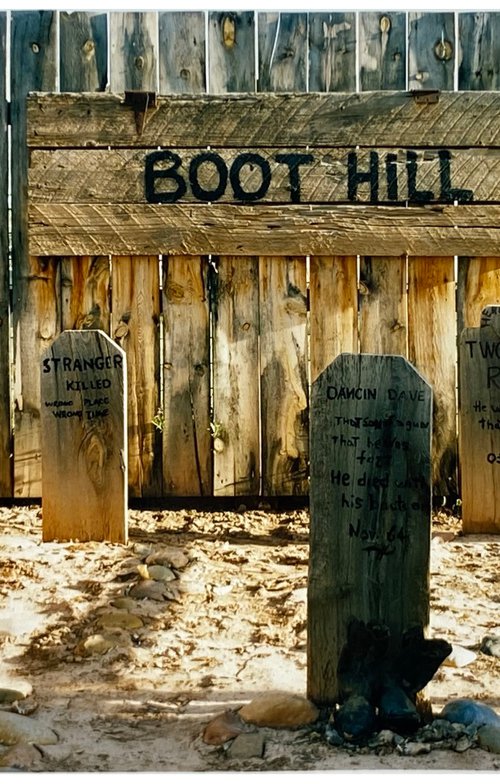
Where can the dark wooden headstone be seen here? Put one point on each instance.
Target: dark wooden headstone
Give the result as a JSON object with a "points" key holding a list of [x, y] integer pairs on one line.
{"points": [[370, 507], [479, 419], [84, 447]]}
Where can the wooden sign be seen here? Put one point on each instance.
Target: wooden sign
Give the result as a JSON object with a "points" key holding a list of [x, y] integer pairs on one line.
{"points": [[370, 506], [84, 447], [479, 424]]}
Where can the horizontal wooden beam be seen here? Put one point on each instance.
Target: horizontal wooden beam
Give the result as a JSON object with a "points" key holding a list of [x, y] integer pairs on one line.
{"points": [[276, 175], [129, 229], [387, 119]]}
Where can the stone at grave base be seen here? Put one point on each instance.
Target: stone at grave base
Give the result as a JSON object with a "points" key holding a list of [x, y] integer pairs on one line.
{"points": [[278, 710], [469, 712], [226, 726], [22, 729], [8, 696], [397, 712], [459, 657], [356, 718], [22, 756], [490, 646], [414, 749], [168, 556], [333, 737], [248, 745], [150, 589], [121, 620], [489, 738]]}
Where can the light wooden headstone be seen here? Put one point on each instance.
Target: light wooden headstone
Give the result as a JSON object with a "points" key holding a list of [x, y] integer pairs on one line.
{"points": [[479, 424], [370, 506], [84, 447]]}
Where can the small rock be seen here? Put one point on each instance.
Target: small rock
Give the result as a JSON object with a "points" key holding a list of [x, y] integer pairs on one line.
{"points": [[149, 589], [490, 645], [463, 744], [22, 729], [250, 744], [163, 573], [489, 738], [120, 620], [97, 644], [279, 709], [356, 718], [469, 712], [459, 657], [332, 736], [414, 749], [169, 556], [124, 603], [21, 756], [224, 727], [25, 707], [384, 738], [8, 696], [143, 571]]}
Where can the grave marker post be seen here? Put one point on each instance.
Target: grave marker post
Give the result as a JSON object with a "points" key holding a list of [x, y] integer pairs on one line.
{"points": [[84, 442], [370, 507], [479, 424]]}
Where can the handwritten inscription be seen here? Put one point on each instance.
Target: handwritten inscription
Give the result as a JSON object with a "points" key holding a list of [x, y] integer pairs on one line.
{"points": [[208, 176]]}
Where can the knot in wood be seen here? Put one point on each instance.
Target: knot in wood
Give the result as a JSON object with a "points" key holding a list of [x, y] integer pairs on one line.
{"points": [[139, 63], [184, 74], [443, 50], [228, 32], [88, 46], [35, 47], [385, 24]]}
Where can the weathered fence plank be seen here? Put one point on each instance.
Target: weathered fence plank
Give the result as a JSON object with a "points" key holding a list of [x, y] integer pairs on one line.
{"points": [[134, 51], [231, 52], [478, 285], [6, 489], [35, 321], [479, 35], [382, 51], [246, 230], [370, 119], [136, 318], [334, 309], [332, 52], [283, 371], [236, 415], [383, 305], [431, 50], [83, 51], [181, 52], [282, 52], [323, 175], [187, 459], [85, 292], [432, 341]]}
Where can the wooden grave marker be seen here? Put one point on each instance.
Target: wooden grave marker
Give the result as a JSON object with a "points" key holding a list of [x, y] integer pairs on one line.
{"points": [[84, 441], [370, 508], [479, 424]]}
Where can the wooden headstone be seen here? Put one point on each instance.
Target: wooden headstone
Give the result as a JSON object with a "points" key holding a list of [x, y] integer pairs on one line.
{"points": [[370, 506], [84, 447], [479, 420]]}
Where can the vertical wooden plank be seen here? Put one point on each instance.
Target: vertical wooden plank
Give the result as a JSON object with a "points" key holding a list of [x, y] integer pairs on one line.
{"points": [[85, 292], [187, 462], [432, 347], [382, 51], [35, 318], [334, 310], [284, 387], [231, 52], [136, 317], [182, 52], [282, 52], [235, 423], [6, 487], [83, 51], [134, 50], [431, 52], [332, 52], [478, 285], [479, 36], [383, 304]]}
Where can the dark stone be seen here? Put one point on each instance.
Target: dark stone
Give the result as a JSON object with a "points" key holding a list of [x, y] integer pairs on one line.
{"points": [[490, 646], [397, 712]]}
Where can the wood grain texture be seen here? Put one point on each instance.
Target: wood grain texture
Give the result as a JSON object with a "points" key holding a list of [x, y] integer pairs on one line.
{"points": [[181, 52], [84, 440], [187, 459], [479, 66], [432, 348], [478, 285], [370, 521], [6, 486], [134, 50], [83, 55], [282, 52], [35, 321], [118, 176], [383, 305], [431, 50], [283, 370], [130, 229], [382, 51], [387, 118], [236, 398], [231, 52], [479, 428], [136, 321], [332, 52], [85, 292], [334, 310]]}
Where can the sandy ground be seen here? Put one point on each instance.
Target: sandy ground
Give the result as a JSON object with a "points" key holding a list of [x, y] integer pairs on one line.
{"points": [[233, 627]]}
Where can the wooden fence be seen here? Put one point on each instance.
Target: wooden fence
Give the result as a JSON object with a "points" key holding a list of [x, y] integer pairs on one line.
{"points": [[223, 345]]}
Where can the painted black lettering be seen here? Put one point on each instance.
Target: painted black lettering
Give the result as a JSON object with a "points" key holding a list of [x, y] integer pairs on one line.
{"points": [[391, 171], [355, 177], [449, 194], [198, 191], [250, 159], [152, 174], [294, 160], [411, 169]]}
